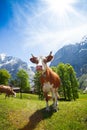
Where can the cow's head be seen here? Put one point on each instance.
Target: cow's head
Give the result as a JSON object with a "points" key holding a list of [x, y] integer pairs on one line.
{"points": [[41, 62]]}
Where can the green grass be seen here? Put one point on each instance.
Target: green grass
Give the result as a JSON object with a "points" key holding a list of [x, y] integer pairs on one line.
{"points": [[29, 114]]}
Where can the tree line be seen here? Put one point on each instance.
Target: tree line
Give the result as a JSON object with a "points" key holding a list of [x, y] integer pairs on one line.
{"points": [[69, 83]]}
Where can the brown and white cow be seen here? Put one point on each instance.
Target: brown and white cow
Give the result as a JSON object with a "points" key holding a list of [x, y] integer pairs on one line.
{"points": [[50, 80], [7, 90]]}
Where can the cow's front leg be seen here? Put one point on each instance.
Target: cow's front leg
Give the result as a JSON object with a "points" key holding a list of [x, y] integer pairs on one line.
{"points": [[46, 98], [55, 104], [54, 95]]}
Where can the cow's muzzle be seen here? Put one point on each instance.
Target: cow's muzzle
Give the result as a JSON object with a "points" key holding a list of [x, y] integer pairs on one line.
{"points": [[39, 68]]}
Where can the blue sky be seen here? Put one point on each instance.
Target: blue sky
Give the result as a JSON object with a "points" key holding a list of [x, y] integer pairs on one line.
{"points": [[40, 26]]}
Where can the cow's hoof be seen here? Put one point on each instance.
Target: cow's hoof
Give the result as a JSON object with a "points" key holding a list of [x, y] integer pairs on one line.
{"points": [[55, 109], [47, 109]]}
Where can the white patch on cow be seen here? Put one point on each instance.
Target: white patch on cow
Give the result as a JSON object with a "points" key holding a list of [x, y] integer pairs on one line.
{"points": [[47, 87], [41, 63], [40, 60]]}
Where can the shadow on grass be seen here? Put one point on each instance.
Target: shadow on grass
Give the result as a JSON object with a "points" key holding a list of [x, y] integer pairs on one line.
{"points": [[37, 117]]}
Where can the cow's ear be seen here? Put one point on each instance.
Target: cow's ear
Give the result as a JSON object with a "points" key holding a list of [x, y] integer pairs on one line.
{"points": [[49, 57], [34, 60]]}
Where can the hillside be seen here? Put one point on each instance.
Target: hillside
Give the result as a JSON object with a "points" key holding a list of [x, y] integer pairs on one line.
{"points": [[75, 54], [83, 81]]}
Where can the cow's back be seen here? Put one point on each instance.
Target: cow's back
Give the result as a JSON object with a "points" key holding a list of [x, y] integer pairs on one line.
{"points": [[5, 89]]}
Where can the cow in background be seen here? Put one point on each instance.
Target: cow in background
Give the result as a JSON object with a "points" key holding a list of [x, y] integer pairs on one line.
{"points": [[7, 90], [49, 79]]}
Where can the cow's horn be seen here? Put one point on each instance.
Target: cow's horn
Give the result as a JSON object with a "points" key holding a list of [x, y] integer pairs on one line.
{"points": [[32, 55], [50, 52]]}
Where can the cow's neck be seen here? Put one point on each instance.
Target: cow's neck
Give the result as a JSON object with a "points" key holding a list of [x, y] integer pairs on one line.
{"points": [[45, 72]]}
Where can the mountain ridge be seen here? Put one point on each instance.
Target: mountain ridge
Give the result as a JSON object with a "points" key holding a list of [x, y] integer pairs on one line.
{"points": [[13, 64], [74, 54]]}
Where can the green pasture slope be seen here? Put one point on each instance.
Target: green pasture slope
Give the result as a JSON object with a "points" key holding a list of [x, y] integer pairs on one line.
{"points": [[29, 114]]}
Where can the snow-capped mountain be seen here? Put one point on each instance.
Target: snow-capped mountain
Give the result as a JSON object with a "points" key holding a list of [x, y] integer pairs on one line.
{"points": [[75, 54], [13, 64]]}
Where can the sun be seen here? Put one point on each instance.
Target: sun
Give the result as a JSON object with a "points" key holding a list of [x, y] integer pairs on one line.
{"points": [[60, 6]]}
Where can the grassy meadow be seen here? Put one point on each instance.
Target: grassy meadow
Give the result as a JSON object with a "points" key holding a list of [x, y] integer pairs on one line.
{"points": [[29, 114]]}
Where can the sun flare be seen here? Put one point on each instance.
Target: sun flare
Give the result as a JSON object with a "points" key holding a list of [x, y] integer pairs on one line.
{"points": [[60, 6]]}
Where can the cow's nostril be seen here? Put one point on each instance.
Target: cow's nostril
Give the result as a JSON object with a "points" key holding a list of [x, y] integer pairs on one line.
{"points": [[39, 67]]}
